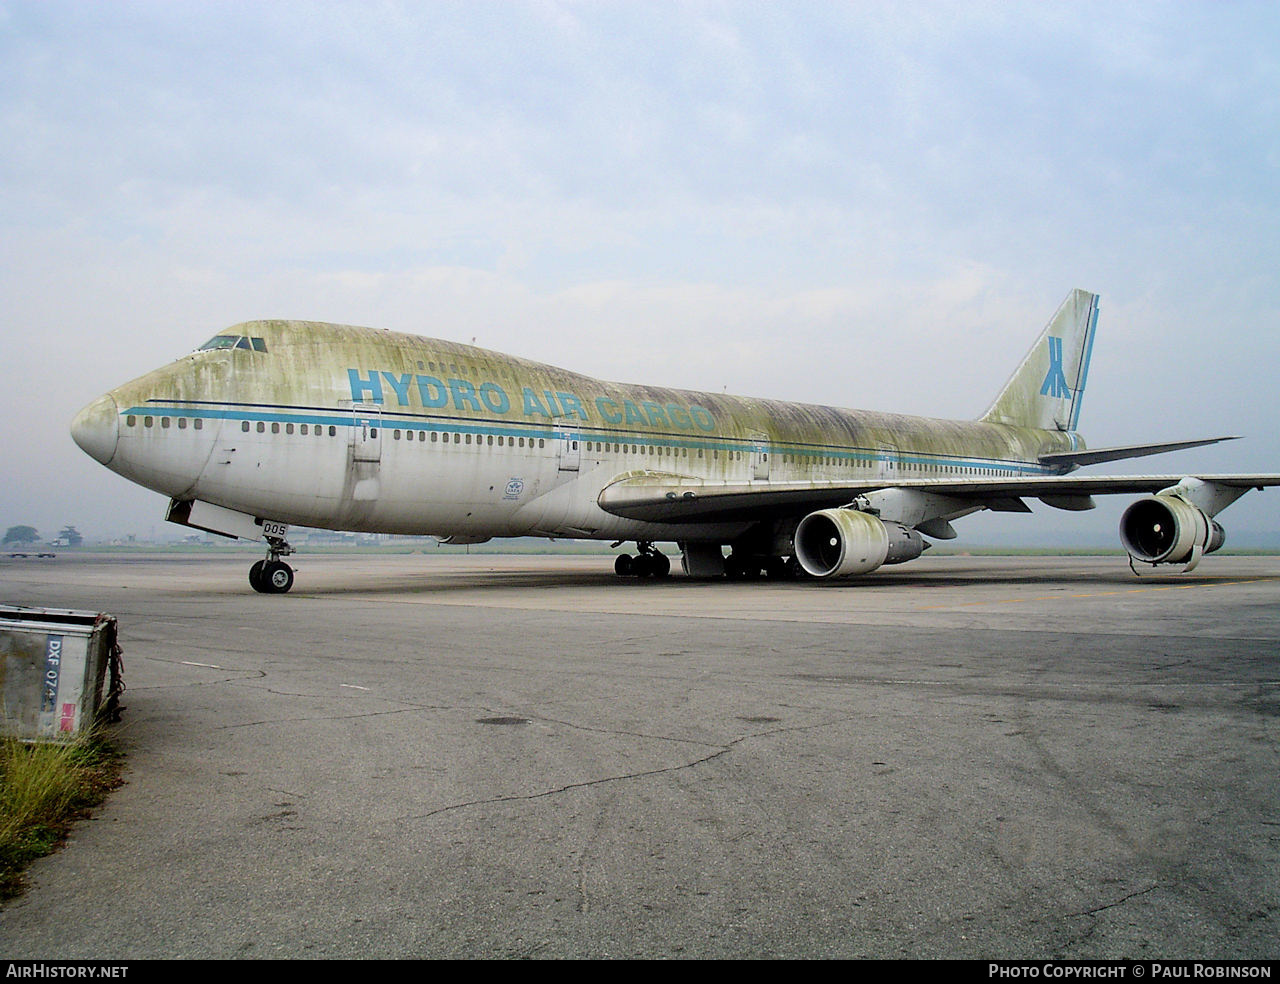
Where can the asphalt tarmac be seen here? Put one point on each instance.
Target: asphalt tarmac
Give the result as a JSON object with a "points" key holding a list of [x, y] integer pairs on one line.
{"points": [[514, 756]]}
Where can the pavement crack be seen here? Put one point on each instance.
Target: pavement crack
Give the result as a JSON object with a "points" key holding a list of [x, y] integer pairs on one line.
{"points": [[622, 777], [1112, 905], [315, 717], [585, 784]]}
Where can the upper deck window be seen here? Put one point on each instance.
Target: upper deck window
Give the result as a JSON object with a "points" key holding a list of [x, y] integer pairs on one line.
{"points": [[234, 342]]}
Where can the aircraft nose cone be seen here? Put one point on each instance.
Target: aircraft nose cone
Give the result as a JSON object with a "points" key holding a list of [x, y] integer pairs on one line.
{"points": [[96, 429]]}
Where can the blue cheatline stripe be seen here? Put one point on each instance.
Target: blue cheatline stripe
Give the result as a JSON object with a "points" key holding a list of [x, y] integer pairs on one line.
{"points": [[1084, 369], [489, 426]]}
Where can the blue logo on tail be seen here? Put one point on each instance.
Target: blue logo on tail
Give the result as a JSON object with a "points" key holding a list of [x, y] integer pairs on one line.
{"points": [[1055, 380]]}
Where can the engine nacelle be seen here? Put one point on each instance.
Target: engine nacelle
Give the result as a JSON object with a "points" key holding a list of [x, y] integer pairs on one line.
{"points": [[1166, 529], [842, 542]]}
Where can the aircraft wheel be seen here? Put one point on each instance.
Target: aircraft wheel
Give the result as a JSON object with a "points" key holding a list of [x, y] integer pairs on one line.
{"points": [[642, 565], [277, 576], [660, 564], [622, 565], [255, 577]]}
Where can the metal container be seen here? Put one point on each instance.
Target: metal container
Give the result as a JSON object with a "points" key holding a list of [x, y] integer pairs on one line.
{"points": [[54, 667]]}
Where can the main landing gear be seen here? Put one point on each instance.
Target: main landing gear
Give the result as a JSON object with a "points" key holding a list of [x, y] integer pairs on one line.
{"points": [[273, 575], [649, 562]]}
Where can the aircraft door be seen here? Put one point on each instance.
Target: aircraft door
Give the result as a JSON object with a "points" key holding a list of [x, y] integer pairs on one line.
{"points": [[366, 452], [760, 449], [366, 433], [888, 461], [568, 449], [220, 448]]}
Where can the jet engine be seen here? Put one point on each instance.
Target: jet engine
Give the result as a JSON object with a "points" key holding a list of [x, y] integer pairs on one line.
{"points": [[841, 542], [1166, 529]]}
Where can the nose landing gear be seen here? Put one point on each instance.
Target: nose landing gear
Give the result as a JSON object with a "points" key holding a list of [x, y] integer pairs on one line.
{"points": [[273, 575]]}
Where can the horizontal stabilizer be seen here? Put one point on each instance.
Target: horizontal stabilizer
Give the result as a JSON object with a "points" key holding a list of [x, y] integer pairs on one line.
{"points": [[1094, 456]]}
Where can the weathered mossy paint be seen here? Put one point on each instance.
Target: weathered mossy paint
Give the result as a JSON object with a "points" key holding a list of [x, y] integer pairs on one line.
{"points": [[1047, 388], [410, 377]]}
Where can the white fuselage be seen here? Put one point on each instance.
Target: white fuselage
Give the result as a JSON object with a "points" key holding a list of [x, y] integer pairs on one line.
{"points": [[356, 429]]}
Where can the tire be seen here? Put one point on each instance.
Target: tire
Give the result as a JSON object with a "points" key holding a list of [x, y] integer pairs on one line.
{"points": [[255, 577], [622, 565], [277, 576]]}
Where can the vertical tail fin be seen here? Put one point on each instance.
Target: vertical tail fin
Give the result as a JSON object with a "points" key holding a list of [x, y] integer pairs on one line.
{"points": [[1047, 388]]}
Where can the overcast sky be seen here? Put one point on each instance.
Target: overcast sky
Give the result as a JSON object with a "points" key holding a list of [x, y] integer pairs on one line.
{"points": [[861, 204]]}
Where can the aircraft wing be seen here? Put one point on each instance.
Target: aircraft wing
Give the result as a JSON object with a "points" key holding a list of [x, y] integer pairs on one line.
{"points": [[667, 498]]}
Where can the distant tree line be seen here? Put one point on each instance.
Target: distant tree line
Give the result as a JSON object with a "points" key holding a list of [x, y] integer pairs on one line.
{"points": [[19, 535]]}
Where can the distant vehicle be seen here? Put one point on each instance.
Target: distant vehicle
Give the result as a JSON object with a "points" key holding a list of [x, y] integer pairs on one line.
{"points": [[273, 423]]}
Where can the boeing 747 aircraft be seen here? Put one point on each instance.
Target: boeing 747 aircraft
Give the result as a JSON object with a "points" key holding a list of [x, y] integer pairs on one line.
{"points": [[274, 423]]}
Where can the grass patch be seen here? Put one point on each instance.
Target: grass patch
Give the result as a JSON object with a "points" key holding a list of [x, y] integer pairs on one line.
{"points": [[44, 788]]}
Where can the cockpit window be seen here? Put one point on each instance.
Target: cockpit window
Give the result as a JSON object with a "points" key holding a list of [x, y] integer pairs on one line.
{"points": [[234, 342]]}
